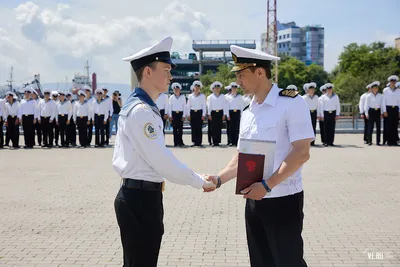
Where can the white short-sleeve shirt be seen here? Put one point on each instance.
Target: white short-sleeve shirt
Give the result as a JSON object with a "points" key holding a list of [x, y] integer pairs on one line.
{"points": [[281, 120]]}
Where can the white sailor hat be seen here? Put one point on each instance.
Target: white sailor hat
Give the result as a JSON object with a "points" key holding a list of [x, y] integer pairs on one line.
{"points": [[376, 83], [215, 84], [175, 85], [322, 88], [305, 86], [34, 92], [11, 94], [312, 84], [68, 94], [192, 87], [393, 78], [46, 91], [245, 57], [28, 90], [292, 86], [228, 88], [234, 84], [398, 84], [61, 93], [388, 84], [87, 88], [104, 88], [198, 83], [368, 86], [54, 93], [99, 90], [157, 52], [81, 92], [329, 86]]}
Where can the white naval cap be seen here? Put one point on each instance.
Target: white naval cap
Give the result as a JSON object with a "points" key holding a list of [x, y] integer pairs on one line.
{"points": [[62, 93], [176, 85], [81, 92], [104, 88], [368, 86], [99, 90], [312, 84], [322, 88], [234, 84], [199, 83], [245, 57], [305, 86], [388, 84], [68, 94], [329, 86], [292, 87], [11, 94], [87, 88], [228, 87], [393, 78], [48, 91], [28, 90], [54, 93], [34, 92], [157, 52], [215, 84], [398, 84], [376, 83], [192, 87]]}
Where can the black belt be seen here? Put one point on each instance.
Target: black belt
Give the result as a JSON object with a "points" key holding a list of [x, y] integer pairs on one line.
{"points": [[143, 185]]}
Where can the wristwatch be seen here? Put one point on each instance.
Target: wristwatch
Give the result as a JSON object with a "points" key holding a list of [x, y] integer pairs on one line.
{"points": [[266, 186], [218, 181]]}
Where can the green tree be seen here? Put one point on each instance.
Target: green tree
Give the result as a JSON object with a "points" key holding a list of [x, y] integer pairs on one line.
{"points": [[223, 75]]}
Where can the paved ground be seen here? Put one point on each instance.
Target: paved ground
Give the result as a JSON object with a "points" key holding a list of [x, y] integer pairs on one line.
{"points": [[56, 209]]}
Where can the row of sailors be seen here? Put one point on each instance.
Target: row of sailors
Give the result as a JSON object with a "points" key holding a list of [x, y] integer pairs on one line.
{"points": [[374, 106], [197, 107], [54, 117]]}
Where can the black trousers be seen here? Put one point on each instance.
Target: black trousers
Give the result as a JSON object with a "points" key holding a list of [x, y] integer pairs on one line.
{"points": [[209, 131], [108, 130], [1, 132], [162, 112], [62, 124], [27, 126], [313, 114], [234, 126], [47, 129], [140, 218], [392, 124], [81, 123], [273, 228], [38, 129], [228, 132], [90, 132], [322, 131], [196, 124], [12, 131], [177, 125], [56, 132], [216, 126], [330, 125], [374, 118], [71, 128], [366, 126], [99, 129]]}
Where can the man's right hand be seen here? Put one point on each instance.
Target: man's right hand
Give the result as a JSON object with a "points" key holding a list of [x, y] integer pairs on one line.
{"points": [[385, 114]]}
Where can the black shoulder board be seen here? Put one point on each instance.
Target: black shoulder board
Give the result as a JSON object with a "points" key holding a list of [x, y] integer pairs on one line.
{"points": [[289, 93], [246, 107]]}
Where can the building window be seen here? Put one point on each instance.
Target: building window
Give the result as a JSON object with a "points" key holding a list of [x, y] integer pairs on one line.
{"points": [[288, 35], [280, 46], [280, 37]]}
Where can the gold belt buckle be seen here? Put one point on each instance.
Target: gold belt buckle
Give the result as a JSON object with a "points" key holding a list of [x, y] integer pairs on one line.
{"points": [[217, 111], [195, 110], [81, 117], [163, 186], [393, 106], [312, 110], [234, 110], [376, 108], [177, 111], [25, 114], [13, 117], [62, 115], [330, 111]]}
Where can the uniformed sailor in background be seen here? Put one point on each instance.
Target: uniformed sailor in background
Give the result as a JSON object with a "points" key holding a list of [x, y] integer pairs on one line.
{"points": [[28, 115], [100, 112], [305, 88], [373, 111], [319, 114], [108, 100], [177, 113], [63, 118], [196, 111], [312, 102], [47, 114], [37, 127], [391, 109], [274, 207], [56, 129], [163, 105], [235, 106], [89, 99], [330, 113], [71, 128], [2, 120], [218, 112], [209, 125], [228, 122], [363, 113], [82, 115], [142, 160], [11, 115]]}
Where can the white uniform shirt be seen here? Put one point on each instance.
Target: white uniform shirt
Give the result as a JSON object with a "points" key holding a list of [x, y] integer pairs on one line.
{"points": [[312, 103], [281, 121], [28, 107], [82, 110], [2, 109], [331, 103], [217, 103], [373, 101], [177, 104], [391, 98], [235, 102], [140, 152], [361, 104], [319, 109], [162, 102], [64, 108], [100, 109], [47, 109], [197, 103], [11, 110], [90, 101], [247, 99], [108, 100]]}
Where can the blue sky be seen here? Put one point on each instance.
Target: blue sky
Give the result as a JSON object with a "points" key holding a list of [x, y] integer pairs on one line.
{"points": [[59, 39]]}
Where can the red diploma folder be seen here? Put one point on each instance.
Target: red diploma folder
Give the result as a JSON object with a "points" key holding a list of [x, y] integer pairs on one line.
{"points": [[250, 170]]}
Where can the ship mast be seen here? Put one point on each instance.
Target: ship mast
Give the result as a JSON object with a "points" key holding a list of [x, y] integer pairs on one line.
{"points": [[87, 72], [10, 81]]}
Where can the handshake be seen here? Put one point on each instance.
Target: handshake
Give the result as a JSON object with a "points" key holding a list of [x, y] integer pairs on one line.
{"points": [[211, 182]]}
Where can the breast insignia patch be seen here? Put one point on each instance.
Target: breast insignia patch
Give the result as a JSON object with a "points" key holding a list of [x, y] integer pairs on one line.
{"points": [[289, 93], [150, 131]]}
